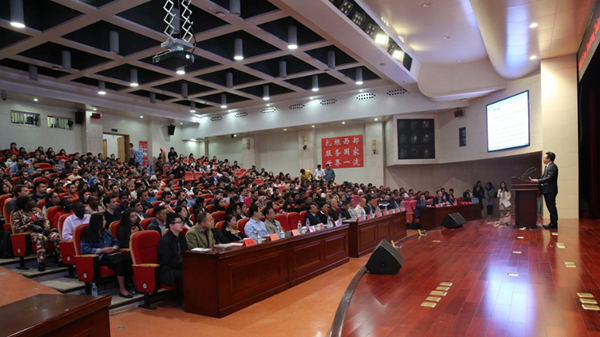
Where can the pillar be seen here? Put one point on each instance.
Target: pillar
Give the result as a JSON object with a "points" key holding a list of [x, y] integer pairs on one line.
{"points": [[375, 162]]}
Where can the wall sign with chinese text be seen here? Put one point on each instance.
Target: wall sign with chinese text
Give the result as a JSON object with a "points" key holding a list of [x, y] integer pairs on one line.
{"points": [[343, 152]]}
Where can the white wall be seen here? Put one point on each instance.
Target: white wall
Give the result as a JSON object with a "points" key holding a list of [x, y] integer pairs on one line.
{"points": [[31, 137], [278, 152], [112, 144], [226, 147]]}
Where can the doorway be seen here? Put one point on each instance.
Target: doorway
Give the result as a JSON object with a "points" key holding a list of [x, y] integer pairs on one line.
{"points": [[117, 145]]}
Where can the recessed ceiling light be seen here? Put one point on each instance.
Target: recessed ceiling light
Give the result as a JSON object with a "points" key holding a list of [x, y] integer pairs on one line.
{"points": [[427, 4], [35, 99], [180, 123], [311, 98], [269, 104], [141, 116], [343, 122], [313, 126], [361, 90], [94, 109], [445, 37], [284, 129], [223, 106], [533, 57], [376, 119], [192, 110], [533, 25], [180, 71]]}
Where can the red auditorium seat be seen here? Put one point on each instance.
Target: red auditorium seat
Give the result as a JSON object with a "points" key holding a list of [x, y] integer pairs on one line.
{"points": [[114, 228], [283, 220], [241, 224], [88, 265], [3, 200], [219, 225], [67, 248], [303, 215], [145, 223], [292, 220], [144, 254], [218, 216]]}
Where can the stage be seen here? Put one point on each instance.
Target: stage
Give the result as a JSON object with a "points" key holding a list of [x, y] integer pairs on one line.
{"points": [[502, 285]]}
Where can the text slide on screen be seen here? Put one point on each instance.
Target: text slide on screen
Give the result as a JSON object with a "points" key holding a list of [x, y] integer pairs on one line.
{"points": [[508, 123]]}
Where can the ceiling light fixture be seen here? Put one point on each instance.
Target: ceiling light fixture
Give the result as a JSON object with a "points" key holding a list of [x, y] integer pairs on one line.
{"points": [[133, 75], [398, 54], [238, 47], [315, 83], [427, 4], [94, 109], [184, 89], [192, 106], [376, 119], [229, 79], [266, 92], [35, 99], [382, 39], [101, 88], [292, 37], [446, 37], [152, 97], [330, 60], [66, 60], [234, 7], [180, 123], [284, 129], [141, 116], [17, 18], [343, 122], [533, 57], [359, 76], [313, 126], [282, 69], [223, 101], [180, 71], [533, 25], [113, 43], [33, 72]]}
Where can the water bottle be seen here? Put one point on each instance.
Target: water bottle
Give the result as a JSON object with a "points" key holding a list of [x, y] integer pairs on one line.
{"points": [[385, 210], [94, 289], [307, 225], [299, 226], [329, 223], [256, 236]]}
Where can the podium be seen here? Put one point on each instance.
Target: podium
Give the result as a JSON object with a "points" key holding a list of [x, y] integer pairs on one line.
{"points": [[525, 199]]}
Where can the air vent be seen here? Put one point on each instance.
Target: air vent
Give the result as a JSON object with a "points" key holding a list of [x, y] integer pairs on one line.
{"points": [[365, 96], [268, 111], [430, 112], [328, 101], [241, 114], [396, 92], [216, 119], [296, 106]]}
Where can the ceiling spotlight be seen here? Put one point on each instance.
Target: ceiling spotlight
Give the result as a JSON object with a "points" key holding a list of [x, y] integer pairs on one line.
{"points": [[382, 39], [223, 101], [533, 25], [134, 78], [533, 57], [376, 119], [17, 18], [35, 99], [398, 55], [343, 122], [359, 76], [141, 116], [192, 106], [311, 98], [284, 129], [101, 88], [238, 47], [95, 109], [315, 83], [234, 7], [269, 104], [313, 126], [292, 37], [361, 90], [180, 123], [266, 92], [113, 42], [180, 71]]}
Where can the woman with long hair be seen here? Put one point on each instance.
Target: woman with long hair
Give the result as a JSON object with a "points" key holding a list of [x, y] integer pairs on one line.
{"points": [[490, 194], [184, 213], [27, 218], [97, 240], [129, 224], [504, 196], [230, 229]]}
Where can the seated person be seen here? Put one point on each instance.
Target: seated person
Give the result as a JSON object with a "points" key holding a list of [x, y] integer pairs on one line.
{"points": [[203, 235], [27, 218], [273, 226], [94, 205], [79, 217], [130, 223], [111, 214], [254, 226], [360, 208], [313, 215], [420, 204], [95, 239], [230, 229], [158, 223], [169, 251], [346, 211], [439, 199], [467, 196]]}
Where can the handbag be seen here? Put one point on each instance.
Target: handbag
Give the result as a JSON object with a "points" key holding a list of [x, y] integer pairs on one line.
{"points": [[36, 228]]}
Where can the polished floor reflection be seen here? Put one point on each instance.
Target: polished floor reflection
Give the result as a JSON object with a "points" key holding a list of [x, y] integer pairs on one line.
{"points": [[505, 282]]}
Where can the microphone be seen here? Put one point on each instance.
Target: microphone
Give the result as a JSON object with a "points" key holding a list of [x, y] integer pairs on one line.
{"points": [[529, 170]]}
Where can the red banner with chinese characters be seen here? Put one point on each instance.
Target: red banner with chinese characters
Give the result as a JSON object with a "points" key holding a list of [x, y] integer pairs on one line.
{"points": [[144, 151], [343, 152]]}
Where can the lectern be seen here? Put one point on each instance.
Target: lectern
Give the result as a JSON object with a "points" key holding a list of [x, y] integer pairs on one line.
{"points": [[525, 199]]}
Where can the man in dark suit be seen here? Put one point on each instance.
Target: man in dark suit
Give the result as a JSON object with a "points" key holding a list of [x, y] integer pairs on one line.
{"points": [[549, 186]]}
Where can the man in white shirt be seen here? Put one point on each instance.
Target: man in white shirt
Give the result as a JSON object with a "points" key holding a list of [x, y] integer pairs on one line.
{"points": [[360, 208], [77, 218], [254, 224], [319, 173]]}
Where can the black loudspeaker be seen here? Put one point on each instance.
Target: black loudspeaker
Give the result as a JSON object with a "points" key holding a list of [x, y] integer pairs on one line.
{"points": [[453, 220], [79, 117], [171, 130], [385, 259]]}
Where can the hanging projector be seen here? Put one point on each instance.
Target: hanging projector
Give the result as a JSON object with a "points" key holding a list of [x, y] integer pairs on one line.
{"points": [[176, 56], [178, 13]]}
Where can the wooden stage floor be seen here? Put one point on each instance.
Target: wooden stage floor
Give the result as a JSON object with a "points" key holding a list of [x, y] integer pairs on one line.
{"points": [[495, 291]]}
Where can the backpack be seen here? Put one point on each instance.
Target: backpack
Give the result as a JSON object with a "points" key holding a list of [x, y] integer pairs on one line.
{"points": [[6, 250]]}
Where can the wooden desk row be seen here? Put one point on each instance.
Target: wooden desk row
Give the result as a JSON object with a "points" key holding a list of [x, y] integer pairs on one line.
{"points": [[225, 280]]}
